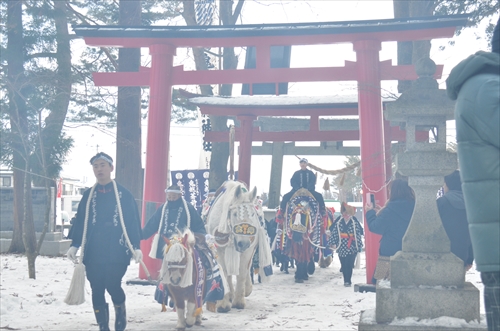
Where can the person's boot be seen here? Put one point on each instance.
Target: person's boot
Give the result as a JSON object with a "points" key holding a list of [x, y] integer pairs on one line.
{"points": [[311, 267], [285, 264], [102, 317], [300, 273], [303, 270], [121, 317]]}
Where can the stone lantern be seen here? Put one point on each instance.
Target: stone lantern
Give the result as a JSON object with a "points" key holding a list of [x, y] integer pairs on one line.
{"points": [[427, 280]]}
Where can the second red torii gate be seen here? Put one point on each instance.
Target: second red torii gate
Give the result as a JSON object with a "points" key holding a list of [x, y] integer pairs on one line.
{"points": [[368, 71], [247, 109]]}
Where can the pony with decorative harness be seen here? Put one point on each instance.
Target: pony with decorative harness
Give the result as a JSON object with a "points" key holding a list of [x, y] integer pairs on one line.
{"points": [[187, 280], [234, 222]]}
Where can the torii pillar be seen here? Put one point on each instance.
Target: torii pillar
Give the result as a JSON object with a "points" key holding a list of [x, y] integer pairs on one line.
{"points": [[156, 169], [371, 134]]}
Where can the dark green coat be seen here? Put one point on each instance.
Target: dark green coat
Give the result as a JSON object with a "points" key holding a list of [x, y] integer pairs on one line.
{"points": [[475, 84]]}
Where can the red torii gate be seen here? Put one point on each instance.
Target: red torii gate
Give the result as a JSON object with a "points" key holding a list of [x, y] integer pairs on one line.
{"points": [[368, 71]]}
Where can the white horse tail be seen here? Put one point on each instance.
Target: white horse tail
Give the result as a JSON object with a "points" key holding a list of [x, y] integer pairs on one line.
{"points": [[265, 257]]}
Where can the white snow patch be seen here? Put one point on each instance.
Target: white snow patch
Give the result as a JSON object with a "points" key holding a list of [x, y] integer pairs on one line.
{"points": [[281, 100]]}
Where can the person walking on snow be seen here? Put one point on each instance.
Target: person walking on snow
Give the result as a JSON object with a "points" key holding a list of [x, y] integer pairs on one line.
{"points": [[106, 254], [171, 219], [346, 237]]}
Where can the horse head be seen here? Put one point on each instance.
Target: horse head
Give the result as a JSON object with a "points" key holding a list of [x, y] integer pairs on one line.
{"points": [[243, 218], [178, 260]]}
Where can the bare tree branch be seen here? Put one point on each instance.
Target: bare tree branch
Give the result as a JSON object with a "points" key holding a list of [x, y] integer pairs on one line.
{"points": [[237, 11], [86, 20], [41, 55]]}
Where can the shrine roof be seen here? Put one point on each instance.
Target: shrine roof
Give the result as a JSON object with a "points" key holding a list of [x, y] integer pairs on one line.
{"points": [[284, 101], [345, 31]]}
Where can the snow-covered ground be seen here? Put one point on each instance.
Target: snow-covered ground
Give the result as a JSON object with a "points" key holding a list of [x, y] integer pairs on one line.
{"points": [[321, 303]]}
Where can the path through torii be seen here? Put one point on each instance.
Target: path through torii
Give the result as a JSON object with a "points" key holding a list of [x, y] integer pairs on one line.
{"points": [[365, 36]]}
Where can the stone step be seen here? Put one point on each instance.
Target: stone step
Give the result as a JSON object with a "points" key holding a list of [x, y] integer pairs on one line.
{"points": [[367, 323]]}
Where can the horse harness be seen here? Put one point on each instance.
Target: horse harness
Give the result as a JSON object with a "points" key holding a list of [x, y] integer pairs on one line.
{"points": [[240, 229]]}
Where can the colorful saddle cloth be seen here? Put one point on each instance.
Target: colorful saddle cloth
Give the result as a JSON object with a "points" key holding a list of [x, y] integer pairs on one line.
{"points": [[302, 228]]}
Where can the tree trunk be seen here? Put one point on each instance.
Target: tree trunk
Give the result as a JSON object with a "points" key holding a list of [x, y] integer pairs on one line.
{"points": [[405, 48], [220, 151], [18, 116], [418, 8], [410, 52], [29, 236], [128, 128]]}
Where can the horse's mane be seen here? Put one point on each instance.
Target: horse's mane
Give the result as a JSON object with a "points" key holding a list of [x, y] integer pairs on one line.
{"points": [[176, 253]]}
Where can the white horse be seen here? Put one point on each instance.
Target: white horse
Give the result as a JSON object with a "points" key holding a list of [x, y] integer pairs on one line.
{"points": [[233, 220]]}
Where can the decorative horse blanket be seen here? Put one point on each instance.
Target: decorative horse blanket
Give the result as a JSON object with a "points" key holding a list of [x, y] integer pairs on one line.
{"points": [[302, 228], [211, 290]]}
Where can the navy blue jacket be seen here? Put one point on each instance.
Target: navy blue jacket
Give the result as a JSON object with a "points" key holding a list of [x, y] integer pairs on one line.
{"points": [[391, 223], [174, 220], [451, 208], [105, 242], [303, 179]]}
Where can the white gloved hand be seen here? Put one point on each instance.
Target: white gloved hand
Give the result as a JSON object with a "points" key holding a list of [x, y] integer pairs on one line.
{"points": [[210, 240], [328, 233], [71, 254], [138, 255]]}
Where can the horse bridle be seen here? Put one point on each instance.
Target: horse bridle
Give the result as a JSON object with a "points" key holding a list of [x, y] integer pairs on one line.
{"points": [[243, 229], [177, 266]]}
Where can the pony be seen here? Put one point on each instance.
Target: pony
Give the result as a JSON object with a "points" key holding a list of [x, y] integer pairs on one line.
{"points": [[233, 220], [180, 274], [302, 233]]}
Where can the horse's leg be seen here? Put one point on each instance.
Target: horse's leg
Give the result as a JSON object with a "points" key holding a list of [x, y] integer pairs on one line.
{"points": [[181, 318], [243, 281], [198, 320], [190, 310], [249, 281], [224, 305]]}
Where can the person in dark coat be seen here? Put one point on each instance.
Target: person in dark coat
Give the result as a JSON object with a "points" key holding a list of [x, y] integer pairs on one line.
{"points": [[451, 208], [106, 254], [346, 236], [303, 178], [170, 219], [391, 222]]}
